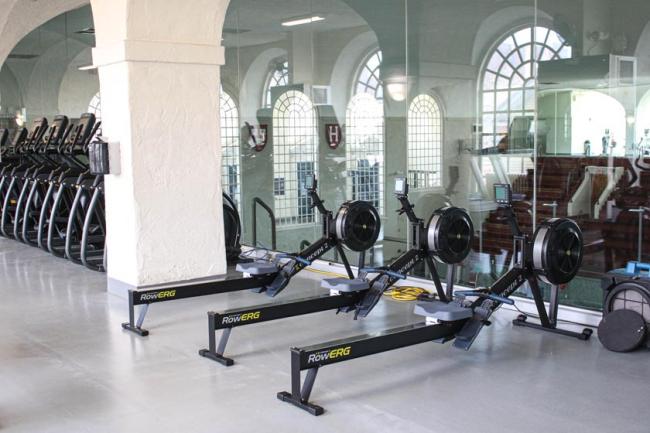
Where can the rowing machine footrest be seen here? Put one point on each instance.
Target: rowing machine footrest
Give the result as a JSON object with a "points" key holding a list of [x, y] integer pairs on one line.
{"points": [[345, 284], [443, 311], [257, 268]]}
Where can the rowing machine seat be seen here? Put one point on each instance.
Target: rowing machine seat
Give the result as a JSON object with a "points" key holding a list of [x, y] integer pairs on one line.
{"points": [[257, 268], [345, 284], [446, 312]]}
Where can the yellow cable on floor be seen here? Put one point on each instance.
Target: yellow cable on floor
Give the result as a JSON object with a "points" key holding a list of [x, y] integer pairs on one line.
{"points": [[402, 294], [327, 273], [405, 293]]}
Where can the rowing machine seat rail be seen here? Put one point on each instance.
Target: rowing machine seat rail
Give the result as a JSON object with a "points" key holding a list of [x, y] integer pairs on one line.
{"points": [[257, 268], [345, 284]]}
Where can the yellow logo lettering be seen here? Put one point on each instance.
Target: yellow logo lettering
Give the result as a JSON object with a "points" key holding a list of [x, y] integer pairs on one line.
{"points": [[250, 316]]}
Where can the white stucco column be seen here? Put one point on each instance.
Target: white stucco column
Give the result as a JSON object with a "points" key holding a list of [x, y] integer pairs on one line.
{"points": [[159, 78]]}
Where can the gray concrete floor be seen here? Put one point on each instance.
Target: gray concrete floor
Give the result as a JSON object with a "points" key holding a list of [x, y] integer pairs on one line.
{"points": [[67, 366]]}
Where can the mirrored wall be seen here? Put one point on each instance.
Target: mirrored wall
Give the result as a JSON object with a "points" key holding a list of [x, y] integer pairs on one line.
{"points": [[549, 97]]}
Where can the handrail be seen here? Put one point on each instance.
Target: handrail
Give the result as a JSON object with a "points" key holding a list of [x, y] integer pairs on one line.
{"points": [[269, 211]]}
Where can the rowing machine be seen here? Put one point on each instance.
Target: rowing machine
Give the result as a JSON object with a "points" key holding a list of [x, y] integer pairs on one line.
{"points": [[554, 255], [356, 225], [448, 238]]}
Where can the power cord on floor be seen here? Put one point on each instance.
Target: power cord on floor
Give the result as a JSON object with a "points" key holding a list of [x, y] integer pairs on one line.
{"points": [[326, 273], [402, 294], [405, 293]]}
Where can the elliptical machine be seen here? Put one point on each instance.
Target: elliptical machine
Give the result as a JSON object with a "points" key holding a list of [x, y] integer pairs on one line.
{"points": [[11, 182]]}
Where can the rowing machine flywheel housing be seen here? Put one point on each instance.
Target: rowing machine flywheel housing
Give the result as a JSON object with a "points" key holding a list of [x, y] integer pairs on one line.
{"points": [[449, 235], [557, 250], [357, 225]]}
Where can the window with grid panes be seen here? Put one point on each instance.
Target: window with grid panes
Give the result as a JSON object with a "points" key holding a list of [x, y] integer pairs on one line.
{"points": [[508, 78], [294, 156], [424, 143]]}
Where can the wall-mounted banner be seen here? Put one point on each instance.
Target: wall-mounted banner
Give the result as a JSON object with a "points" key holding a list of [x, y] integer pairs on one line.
{"points": [[257, 137], [333, 135]]}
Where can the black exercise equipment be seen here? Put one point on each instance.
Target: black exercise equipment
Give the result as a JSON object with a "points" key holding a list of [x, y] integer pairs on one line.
{"points": [[626, 289], [449, 236], [68, 193], [11, 181], [49, 198], [459, 318], [231, 229], [271, 277], [622, 331], [30, 200]]}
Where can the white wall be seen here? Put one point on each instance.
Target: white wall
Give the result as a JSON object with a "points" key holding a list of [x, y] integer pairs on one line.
{"points": [[78, 87]]}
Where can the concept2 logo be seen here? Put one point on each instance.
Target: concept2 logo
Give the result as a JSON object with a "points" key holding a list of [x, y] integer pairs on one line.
{"points": [[326, 355], [237, 318], [164, 294]]}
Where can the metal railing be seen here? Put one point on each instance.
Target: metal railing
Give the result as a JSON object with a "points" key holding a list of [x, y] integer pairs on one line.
{"points": [[258, 201]]}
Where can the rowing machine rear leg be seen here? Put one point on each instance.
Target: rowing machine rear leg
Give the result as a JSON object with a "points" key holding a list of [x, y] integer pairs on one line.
{"points": [[548, 320], [132, 325], [299, 395], [584, 335], [213, 351]]}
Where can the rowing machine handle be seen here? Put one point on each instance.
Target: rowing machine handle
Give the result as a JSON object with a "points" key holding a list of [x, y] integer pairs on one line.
{"points": [[296, 258], [384, 271], [492, 296]]}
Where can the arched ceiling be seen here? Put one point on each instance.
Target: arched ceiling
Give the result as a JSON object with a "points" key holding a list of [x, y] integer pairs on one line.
{"points": [[19, 17]]}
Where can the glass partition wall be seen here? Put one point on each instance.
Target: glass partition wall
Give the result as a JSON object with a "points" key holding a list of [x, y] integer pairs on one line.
{"points": [[548, 96], [552, 97]]}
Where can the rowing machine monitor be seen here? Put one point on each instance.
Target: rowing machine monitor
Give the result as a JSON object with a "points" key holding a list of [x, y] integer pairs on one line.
{"points": [[401, 186], [446, 238], [311, 183], [503, 194]]}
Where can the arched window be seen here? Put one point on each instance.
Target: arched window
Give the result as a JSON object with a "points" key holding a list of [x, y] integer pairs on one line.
{"points": [[294, 157], [95, 106], [279, 76], [230, 164], [424, 143], [508, 80], [368, 78], [365, 149]]}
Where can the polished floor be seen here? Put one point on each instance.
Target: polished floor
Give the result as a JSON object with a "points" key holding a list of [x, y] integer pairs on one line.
{"points": [[67, 366]]}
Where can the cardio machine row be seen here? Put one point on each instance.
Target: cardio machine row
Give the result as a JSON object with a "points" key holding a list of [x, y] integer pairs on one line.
{"points": [[48, 197], [552, 254]]}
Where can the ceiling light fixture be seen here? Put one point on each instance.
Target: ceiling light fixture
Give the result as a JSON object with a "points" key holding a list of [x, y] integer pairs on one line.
{"points": [[300, 21], [87, 67]]}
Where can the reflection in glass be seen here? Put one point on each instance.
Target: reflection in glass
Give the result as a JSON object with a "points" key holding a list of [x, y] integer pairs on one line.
{"points": [[365, 149], [510, 70], [424, 143], [278, 76], [230, 171], [294, 157]]}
